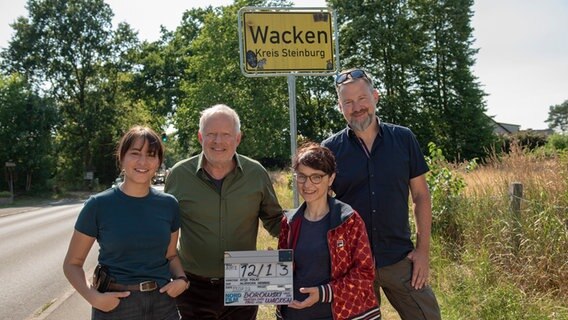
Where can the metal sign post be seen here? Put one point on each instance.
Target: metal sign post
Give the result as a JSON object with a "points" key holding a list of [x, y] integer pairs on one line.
{"points": [[293, 129]]}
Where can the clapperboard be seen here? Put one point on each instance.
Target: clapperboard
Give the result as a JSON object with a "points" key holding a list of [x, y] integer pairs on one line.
{"points": [[258, 277]]}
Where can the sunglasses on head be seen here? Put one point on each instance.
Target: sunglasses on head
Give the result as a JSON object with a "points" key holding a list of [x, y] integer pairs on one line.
{"points": [[354, 74]]}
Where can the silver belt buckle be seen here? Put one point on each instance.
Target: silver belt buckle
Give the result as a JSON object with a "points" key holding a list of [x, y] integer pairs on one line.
{"points": [[147, 286]]}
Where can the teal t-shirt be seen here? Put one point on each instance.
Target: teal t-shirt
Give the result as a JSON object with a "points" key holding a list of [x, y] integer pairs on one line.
{"points": [[133, 233]]}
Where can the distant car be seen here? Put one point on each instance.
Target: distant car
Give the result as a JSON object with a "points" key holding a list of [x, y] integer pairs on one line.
{"points": [[117, 181], [159, 179]]}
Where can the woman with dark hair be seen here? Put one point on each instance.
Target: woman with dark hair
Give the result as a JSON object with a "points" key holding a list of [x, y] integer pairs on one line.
{"points": [[137, 230], [333, 264]]}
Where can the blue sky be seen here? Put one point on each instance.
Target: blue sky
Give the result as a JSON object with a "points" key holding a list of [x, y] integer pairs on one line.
{"points": [[522, 62]]}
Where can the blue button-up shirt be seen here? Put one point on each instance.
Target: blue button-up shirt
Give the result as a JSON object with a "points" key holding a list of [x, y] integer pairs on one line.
{"points": [[376, 184]]}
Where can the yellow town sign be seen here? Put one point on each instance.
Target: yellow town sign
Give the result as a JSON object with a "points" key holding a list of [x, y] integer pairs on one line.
{"points": [[286, 41]]}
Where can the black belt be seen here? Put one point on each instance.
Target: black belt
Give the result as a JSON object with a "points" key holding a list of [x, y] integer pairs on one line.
{"points": [[213, 281], [142, 286]]}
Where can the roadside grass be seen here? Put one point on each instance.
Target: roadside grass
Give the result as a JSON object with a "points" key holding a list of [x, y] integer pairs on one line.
{"points": [[27, 201], [39, 199], [493, 263]]}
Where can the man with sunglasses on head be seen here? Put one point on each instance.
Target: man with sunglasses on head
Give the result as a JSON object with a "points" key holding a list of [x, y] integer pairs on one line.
{"points": [[377, 165]]}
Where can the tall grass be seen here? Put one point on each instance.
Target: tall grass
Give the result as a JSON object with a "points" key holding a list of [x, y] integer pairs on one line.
{"points": [[491, 263]]}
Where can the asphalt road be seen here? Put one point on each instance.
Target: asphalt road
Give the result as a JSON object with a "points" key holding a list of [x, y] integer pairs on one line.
{"points": [[32, 247]]}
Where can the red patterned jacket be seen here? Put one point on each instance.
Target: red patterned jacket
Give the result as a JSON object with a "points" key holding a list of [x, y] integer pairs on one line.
{"points": [[350, 290]]}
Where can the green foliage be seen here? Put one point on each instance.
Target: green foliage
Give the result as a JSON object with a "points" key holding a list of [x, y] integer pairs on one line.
{"points": [[317, 114], [446, 188], [478, 291], [27, 121], [558, 117], [173, 151], [5, 194], [487, 276], [558, 142], [157, 85], [441, 179], [529, 140], [69, 50]]}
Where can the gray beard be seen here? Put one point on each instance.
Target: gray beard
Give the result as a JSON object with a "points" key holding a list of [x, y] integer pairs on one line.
{"points": [[361, 126]]}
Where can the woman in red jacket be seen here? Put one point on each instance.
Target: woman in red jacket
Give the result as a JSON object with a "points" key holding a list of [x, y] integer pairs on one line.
{"points": [[333, 264]]}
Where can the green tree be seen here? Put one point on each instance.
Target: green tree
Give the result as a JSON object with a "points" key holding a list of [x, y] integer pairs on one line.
{"points": [[451, 98], [558, 116], [27, 123], [157, 84], [69, 50], [420, 54], [318, 116]]}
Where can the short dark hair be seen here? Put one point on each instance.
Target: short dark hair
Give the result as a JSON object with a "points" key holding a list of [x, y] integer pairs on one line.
{"points": [[136, 133], [316, 157]]}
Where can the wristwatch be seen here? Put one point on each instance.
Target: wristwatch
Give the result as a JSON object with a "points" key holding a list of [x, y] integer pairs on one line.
{"points": [[184, 278]]}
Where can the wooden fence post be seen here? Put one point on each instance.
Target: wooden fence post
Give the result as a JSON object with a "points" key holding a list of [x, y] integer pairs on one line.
{"points": [[516, 195]]}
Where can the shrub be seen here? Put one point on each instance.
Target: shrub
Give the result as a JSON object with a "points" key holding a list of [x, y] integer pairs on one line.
{"points": [[558, 142], [446, 188], [5, 194], [529, 140]]}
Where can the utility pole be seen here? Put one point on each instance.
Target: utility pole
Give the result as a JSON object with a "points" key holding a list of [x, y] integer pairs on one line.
{"points": [[10, 166]]}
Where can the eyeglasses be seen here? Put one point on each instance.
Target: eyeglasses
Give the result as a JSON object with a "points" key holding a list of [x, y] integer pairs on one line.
{"points": [[354, 74], [314, 178]]}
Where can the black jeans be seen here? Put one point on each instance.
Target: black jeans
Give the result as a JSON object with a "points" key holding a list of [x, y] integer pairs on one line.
{"points": [[204, 300], [138, 305]]}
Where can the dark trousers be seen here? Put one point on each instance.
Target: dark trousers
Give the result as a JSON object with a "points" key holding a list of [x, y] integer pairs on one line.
{"points": [[205, 300], [411, 304], [138, 305]]}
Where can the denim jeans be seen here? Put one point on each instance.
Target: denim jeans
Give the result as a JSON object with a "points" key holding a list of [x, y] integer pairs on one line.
{"points": [[138, 305]]}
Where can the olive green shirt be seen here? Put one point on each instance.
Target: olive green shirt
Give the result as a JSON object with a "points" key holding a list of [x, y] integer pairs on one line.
{"points": [[213, 222]]}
